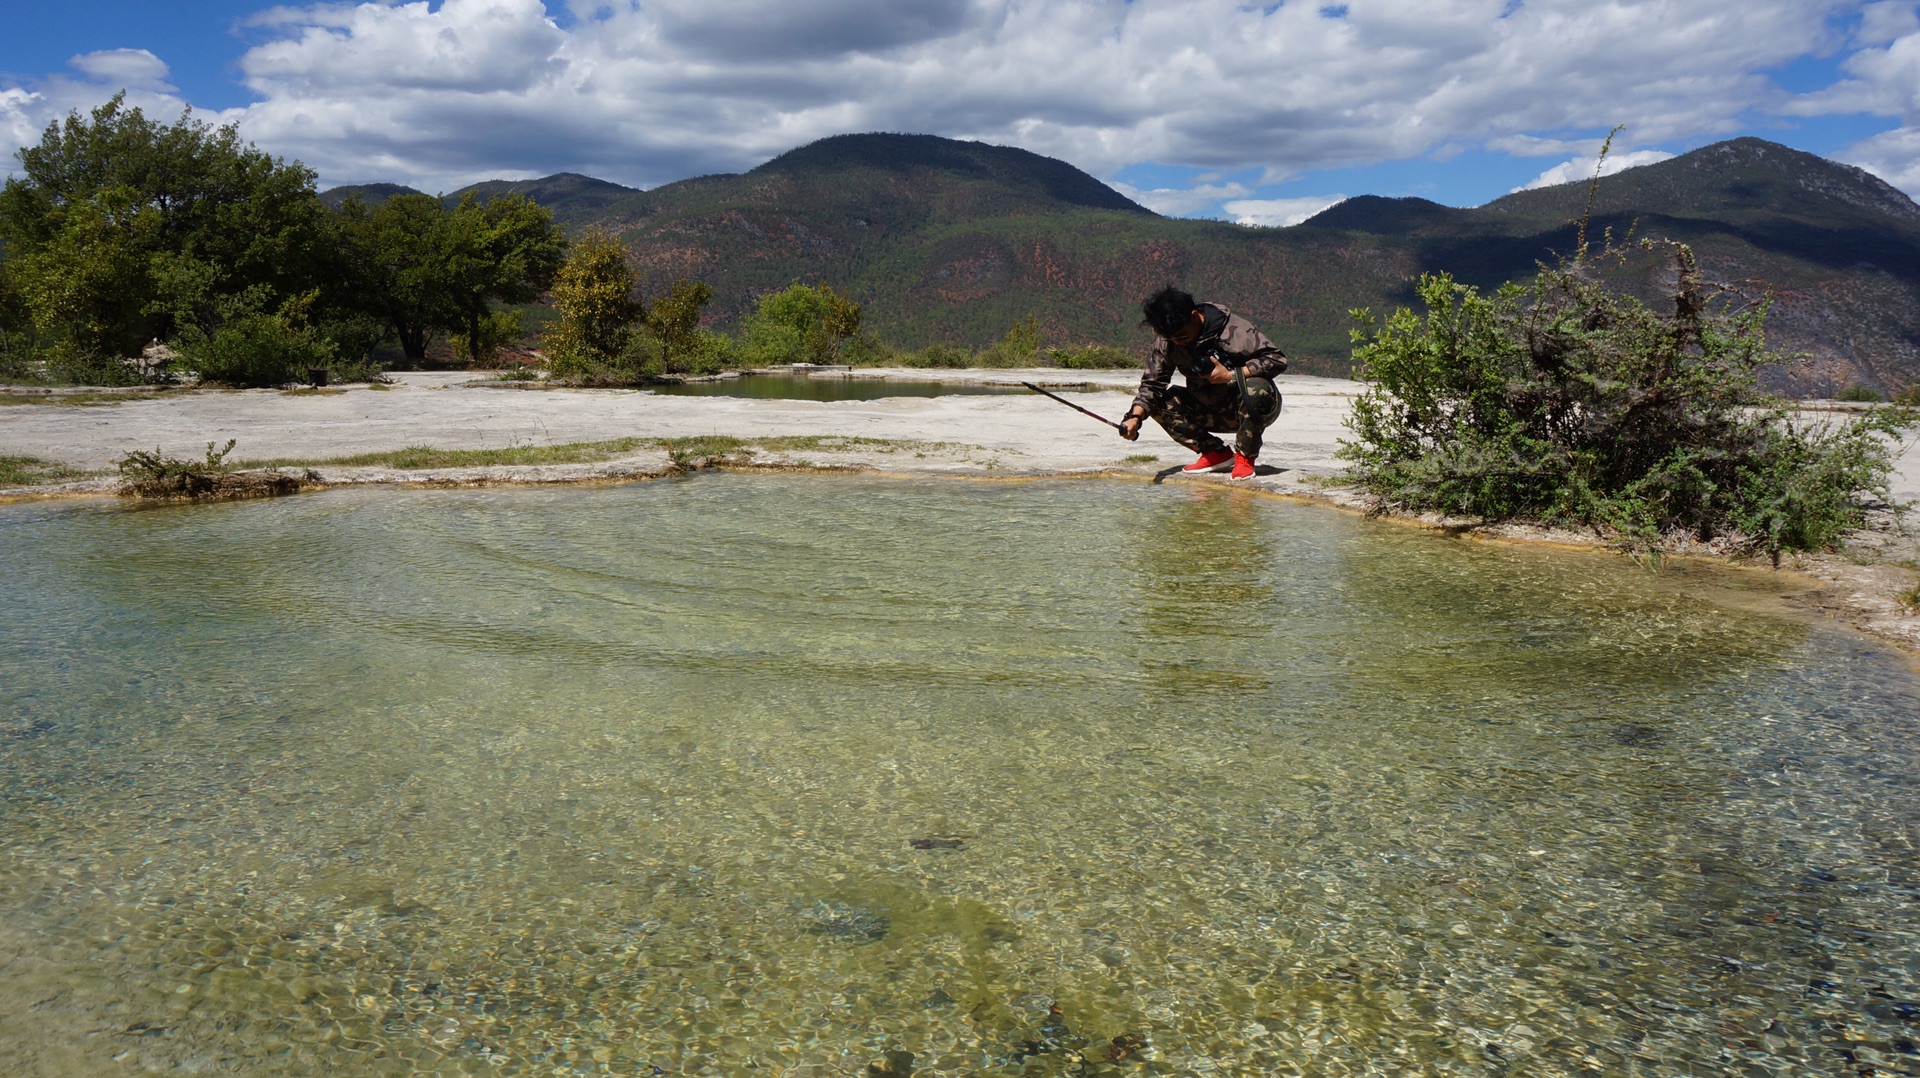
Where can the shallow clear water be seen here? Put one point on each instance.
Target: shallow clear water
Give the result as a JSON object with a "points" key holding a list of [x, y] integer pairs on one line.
{"points": [[827, 387], [775, 775]]}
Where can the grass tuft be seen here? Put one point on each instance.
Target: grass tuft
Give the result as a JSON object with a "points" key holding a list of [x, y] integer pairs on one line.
{"points": [[32, 472], [76, 400]]}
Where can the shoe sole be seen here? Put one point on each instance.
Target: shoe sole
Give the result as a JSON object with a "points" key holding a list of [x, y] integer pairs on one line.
{"points": [[1215, 470]]}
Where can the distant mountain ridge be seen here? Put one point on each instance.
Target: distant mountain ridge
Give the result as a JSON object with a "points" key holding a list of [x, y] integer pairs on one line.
{"points": [[568, 194], [1009, 166], [943, 240]]}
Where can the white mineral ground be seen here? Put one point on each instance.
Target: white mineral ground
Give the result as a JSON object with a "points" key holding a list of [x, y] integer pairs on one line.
{"points": [[970, 436]]}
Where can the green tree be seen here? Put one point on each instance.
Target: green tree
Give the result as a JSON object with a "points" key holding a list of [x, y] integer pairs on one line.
{"points": [[121, 227], [506, 250], [800, 324], [17, 360], [87, 285], [593, 291], [393, 257], [839, 320], [674, 320]]}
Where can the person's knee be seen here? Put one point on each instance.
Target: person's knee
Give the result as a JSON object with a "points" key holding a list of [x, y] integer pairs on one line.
{"points": [[1260, 401]]}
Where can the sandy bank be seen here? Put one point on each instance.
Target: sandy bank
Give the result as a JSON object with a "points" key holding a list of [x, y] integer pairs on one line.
{"points": [[952, 435]]}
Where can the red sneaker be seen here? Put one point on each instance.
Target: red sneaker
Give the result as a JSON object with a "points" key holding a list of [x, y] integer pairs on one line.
{"points": [[1209, 462], [1242, 467]]}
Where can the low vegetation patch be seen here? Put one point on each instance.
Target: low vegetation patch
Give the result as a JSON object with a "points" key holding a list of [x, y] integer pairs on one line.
{"points": [[153, 475], [32, 471], [1861, 395], [1567, 403], [415, 457], [77, 400], [1910, 598]]}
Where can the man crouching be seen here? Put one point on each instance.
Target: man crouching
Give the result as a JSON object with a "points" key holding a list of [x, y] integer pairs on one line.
{"points": [[1228, 366]]}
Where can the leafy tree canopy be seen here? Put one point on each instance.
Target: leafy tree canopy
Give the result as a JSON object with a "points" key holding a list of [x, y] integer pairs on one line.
{"points": [[123, 229], [800, 324], [593, 291], [674, 320], [506, 250]]}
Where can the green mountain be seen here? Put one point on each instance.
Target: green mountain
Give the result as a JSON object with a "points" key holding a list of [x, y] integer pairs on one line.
{"points": [[947, 241], [573, 198], [372, 194]]}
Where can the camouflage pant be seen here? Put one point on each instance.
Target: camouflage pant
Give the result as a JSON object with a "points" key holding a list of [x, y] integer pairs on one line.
{"points": [[1189, 416]]}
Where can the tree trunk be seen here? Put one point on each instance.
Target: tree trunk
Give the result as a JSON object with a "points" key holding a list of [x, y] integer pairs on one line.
{"points": [[413, 340]]}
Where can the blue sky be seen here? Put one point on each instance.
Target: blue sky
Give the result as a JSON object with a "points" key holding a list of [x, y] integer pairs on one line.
{"points": [[1195, 107]]}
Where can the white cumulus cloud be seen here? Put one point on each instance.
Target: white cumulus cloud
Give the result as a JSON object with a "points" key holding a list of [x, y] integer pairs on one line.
{"points": [[1280, 212], [1582, 168], [1182, 201], [1883, 79], [1894, 157], [645, 93], [25, 112], [132, 68]]}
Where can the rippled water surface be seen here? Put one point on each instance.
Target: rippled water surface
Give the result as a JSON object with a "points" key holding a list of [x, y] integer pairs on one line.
{"points": [[778, 775]]}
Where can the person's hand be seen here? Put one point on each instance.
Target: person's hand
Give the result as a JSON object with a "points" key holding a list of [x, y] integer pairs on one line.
{"points": [[1130, 428], [1220, 375]]}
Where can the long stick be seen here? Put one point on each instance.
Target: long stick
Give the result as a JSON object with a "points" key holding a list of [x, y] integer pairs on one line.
{"points": [[1072, 405]]}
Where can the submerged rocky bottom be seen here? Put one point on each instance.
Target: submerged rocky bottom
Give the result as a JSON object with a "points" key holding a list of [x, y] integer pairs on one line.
{"points": [[833, 776]]}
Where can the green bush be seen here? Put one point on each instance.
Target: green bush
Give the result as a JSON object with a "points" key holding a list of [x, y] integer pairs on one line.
{"points": [[1861, 394], [799, 324], [353, 339], [66, 363], [258, 350], [646, 358], [942, 356], [641, 359], [1093, 357], [484, 334], [866, 350], [1565, 402]]}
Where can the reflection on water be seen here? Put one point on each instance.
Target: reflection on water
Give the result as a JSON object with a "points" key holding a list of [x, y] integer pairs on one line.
{"points": [[779, 775], [827, 387]]}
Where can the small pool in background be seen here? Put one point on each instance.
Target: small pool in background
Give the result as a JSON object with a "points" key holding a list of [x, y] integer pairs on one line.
{"points": [[780, 774], [829, 387]]}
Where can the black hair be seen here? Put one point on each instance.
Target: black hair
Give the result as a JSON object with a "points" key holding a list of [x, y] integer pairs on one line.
{"points": [[1168, 311]]}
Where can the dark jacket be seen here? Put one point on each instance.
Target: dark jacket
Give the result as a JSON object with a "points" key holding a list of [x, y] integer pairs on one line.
{"points": [[1224, 336]]}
